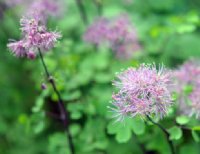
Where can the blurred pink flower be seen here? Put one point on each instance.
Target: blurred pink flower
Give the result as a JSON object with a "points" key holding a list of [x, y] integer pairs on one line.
{"points": [[118, 33], [44, 8], [188, 73], [38, 8], [188, 76], [97, 32], [195, 102]]}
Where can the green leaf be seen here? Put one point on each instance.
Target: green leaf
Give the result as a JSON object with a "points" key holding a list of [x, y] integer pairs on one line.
{"points": [[101, 144], [23, 118], [113, 128], [123, 130], [123, 135], [84, 77], [57, 145], [187, 28], [195, 136], [188, 89], [100, 60], [192, 17], [182, 120], [74, 129], [71, 95], [175, 133], [38, 105], [76, 115], [138, 126], [103, 77], [39, 127], [197, 128]]}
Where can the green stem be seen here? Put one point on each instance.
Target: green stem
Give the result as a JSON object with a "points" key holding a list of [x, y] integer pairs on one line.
{"points": [[82, 11], [99, 6]]}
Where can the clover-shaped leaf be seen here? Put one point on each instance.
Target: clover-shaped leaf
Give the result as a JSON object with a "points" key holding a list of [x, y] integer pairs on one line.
{"points": [[182, 120], [123, 130], [175, 133]]}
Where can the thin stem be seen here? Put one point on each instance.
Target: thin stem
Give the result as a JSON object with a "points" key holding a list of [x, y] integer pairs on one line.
{"points": [[63, 112], [82, 11], [166, 133], [99, 6]]}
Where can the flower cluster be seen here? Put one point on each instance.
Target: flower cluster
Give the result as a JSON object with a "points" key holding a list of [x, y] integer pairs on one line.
{"points": [[143, 91], [188, 73], [44, 8], [117, 33], [35, 36], [38, 8], [187, 79]]}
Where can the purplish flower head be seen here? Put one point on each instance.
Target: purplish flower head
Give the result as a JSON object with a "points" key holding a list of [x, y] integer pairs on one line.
{"points": [[142, 91]]}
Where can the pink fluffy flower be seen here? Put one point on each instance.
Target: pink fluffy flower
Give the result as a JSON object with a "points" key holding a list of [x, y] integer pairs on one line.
{"points": [[143, 91], [96, 33], [35, 36], [188, 73], [47, 40], [118, 33], [18, 48]]}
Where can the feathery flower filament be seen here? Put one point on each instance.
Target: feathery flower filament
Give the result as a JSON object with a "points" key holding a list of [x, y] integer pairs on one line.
{"points": [[143, 91], [35, 36]]}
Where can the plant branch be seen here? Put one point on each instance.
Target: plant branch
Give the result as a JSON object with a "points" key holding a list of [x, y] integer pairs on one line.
{"points": [[64, 115], [99, 6], [82, 11], [166, 134]]}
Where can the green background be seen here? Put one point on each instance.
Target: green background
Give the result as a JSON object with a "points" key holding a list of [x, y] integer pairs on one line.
{"points": [[169, 33]]}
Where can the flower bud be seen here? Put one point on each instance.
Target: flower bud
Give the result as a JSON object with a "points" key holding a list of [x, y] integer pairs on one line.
{"points": [[43, 86], [31, 55]]}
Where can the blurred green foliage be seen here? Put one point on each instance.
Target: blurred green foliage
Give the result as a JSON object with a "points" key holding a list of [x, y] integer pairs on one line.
{"points": [[168, 32]]}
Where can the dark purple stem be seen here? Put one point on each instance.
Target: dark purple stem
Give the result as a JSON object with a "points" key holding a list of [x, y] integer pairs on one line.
{"points": [[64, 115]]}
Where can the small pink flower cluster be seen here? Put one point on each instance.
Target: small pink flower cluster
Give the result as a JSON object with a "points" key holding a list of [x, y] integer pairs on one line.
{"points": [[143, 91], [35, 36], [118, 33], [37, 8], [188, 75], [44, 8]]}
